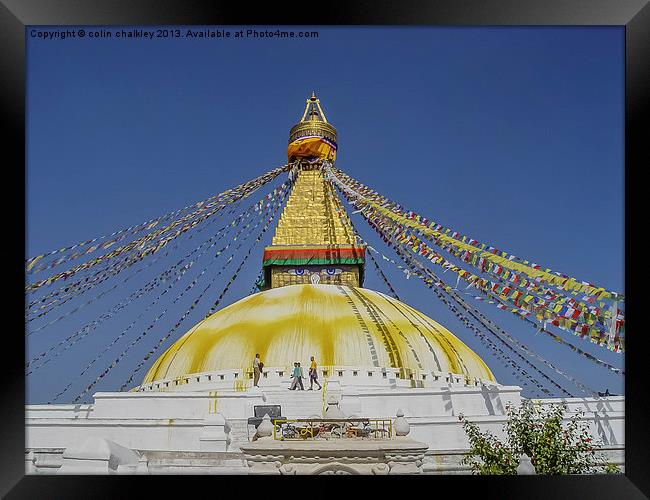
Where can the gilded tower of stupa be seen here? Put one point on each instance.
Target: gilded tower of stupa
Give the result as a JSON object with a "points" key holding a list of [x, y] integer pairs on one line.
{"points": [[314, 241]]}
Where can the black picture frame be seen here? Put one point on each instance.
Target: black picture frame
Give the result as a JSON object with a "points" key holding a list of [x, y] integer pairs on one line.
{"points": [[634, 15]]}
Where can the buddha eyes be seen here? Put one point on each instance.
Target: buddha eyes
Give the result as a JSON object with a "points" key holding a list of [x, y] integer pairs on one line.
{"points": [[330, 271]]}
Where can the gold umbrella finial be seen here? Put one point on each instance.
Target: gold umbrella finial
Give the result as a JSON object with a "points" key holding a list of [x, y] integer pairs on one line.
{"points": [[313, 124]]}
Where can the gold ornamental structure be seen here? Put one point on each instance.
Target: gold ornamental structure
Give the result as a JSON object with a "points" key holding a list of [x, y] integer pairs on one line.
{"points": [[312, 136]]}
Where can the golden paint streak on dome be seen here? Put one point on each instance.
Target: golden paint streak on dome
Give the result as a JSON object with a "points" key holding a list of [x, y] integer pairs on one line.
{"points": [[340, 326], [475, 362], [391, 304]]}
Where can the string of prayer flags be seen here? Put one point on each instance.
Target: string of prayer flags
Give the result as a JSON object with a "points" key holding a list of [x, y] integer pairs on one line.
{"points": [[518, 372], [256, 207], [540, 328], [196, 302], [504, 260], [165, 276], [125, 331], [511, 343], [152, 324], [383, 277], [410, 215], [69, 291], [188, 222], [100, 276], [123, 233], [389, 229], [449, 290]]}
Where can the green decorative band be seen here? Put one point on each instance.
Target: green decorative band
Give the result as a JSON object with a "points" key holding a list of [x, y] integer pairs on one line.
{"points": [[279, 261], [297, 256]]}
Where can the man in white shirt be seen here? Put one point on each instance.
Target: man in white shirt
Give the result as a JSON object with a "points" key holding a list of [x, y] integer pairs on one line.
{"points": [[257, 369]]}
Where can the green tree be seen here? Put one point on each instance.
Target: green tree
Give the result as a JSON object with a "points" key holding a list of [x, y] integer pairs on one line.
{"points": [[538, 432]]}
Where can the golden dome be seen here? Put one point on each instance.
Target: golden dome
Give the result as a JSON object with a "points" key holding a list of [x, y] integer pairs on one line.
{"points": [[341, 326]]}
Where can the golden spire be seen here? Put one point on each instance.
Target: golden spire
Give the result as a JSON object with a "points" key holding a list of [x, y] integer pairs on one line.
{"points": [[314, 241]]}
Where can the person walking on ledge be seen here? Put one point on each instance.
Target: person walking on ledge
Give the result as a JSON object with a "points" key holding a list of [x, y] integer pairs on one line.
{"points": [[257, 369], [313, 375], [295, 375], [301, 375]]}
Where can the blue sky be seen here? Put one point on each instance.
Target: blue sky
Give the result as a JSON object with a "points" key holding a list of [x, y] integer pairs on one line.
{"points": [[513, 136]]}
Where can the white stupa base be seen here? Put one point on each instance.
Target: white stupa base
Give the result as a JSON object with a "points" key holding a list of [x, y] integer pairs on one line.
{"points": [[201, 430]]}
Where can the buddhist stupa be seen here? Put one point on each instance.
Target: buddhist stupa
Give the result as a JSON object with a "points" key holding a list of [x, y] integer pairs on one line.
{"points": [[313, 302], [197, 411]]}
